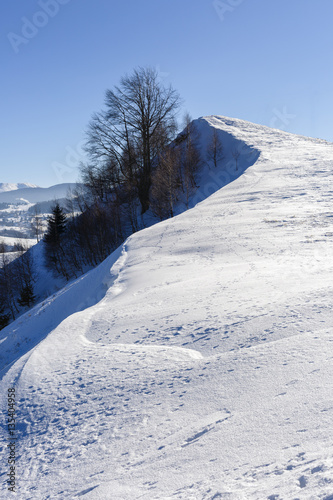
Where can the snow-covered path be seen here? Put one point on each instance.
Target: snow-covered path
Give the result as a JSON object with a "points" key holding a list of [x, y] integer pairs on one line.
{"points": [[205, 370]]}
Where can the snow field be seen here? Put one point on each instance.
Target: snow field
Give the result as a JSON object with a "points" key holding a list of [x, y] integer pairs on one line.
{"points": [[196, 361]]}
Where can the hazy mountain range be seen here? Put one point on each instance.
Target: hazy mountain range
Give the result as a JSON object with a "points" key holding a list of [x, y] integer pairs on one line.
{"points": [[33, 194]]}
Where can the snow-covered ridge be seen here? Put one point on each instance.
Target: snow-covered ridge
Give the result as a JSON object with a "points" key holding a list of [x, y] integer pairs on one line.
{"points": [[195, 363], [6, 186]]}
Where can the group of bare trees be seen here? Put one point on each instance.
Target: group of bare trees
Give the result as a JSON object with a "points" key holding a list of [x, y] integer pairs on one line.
{"points": [[17, 280], [135, 162], [77, 241], [174, 178]]}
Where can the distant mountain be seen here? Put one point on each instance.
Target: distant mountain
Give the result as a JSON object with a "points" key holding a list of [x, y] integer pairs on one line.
{"points": [[5, 186], [17, 207], [34, 194]]}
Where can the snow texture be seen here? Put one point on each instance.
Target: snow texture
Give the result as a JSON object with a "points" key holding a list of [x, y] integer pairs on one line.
{"points": [[196, 361]]}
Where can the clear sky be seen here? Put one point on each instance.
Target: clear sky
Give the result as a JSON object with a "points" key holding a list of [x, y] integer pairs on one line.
{"points": [[266, 61]]}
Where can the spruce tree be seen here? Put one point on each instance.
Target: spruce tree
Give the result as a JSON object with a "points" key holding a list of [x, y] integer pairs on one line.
{"points": [[54, 239], [27, 297], [56, 226]]}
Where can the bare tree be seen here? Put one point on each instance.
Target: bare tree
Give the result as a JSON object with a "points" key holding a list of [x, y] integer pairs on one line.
{"points": [[214, 151], [166, 183], [25, 276], [23, 266], [36, 223], [191, 158], [8, 286], [81, 199], [4, 316], [236, 154], [17, 279], [5, 311], [3, 249], [139, 121]]}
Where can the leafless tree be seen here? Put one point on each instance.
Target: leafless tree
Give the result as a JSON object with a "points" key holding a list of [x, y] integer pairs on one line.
{"points": [[166, 183], [236, 154], [24, 265], [191, 158], [138, 121], [23, 269], [8, 286], [215, 149], [3, 249], [36, 223]]}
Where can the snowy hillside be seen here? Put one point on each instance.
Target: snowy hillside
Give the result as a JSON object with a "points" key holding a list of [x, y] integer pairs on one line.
{"points": [[195, 362]]}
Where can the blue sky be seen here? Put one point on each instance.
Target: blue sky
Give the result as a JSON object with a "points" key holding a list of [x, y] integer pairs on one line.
{"points": [[268, 62]]}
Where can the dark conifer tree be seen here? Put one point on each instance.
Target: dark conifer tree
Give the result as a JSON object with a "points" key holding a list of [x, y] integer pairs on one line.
{"points": [[54, 249], [4, 317], [56, 226], [27, 297]]}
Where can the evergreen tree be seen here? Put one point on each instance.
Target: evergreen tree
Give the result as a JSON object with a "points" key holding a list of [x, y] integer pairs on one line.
{"points": [[27, 297], [55, 253], [4, 317], [56, 226]]}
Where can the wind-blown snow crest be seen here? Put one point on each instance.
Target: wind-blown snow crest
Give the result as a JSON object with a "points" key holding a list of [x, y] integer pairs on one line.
{"points": [[200, 367]]}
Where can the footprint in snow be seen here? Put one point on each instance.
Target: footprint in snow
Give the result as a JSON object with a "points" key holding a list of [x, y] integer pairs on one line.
{"points": [[88, 490], [302, 482]]}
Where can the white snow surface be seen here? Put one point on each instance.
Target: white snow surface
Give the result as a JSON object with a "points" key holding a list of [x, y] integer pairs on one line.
{"points": [[7, 186], [196, 362], [11, 242]]}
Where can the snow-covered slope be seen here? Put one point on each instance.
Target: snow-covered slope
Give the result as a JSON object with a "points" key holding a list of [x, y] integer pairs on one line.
{"points": [[6, 186], [196, 361]]}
